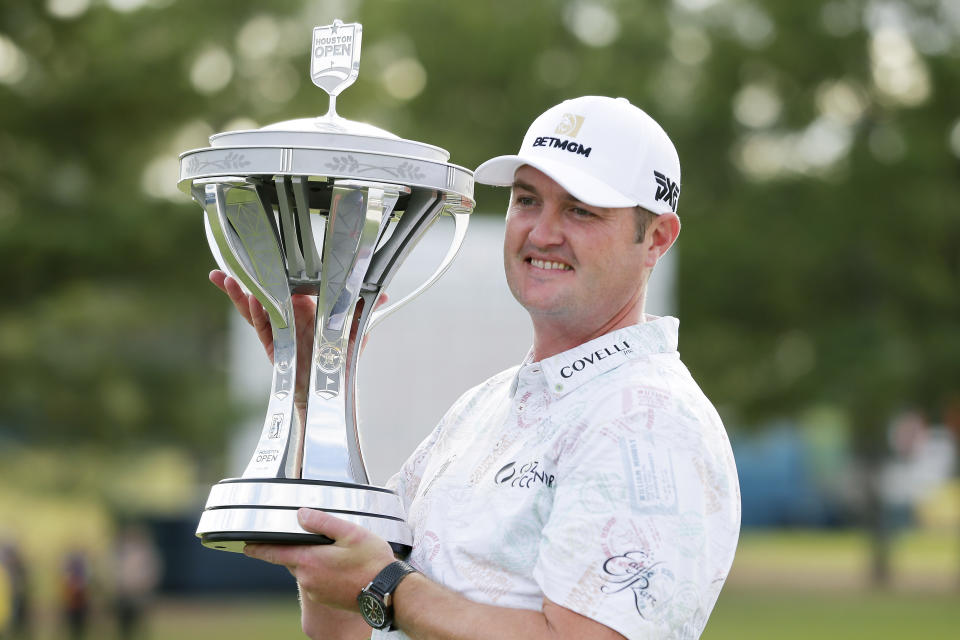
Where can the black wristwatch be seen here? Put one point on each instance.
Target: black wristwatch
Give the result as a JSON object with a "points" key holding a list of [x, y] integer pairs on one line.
{"points": [[376, 599]]}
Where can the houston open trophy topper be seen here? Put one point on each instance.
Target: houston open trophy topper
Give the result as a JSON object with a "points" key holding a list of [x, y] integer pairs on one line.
{"points": [[328, 207]]}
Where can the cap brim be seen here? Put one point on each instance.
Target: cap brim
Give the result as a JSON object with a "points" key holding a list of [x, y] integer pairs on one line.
{"points": [[500, 171]]}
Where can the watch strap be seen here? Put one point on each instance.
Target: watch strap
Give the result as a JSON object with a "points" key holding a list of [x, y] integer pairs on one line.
{"points": [[381, 590], [390, 576]]}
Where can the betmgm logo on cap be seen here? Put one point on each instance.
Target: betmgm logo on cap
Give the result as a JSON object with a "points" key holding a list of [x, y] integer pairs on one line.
{"points": [[603, 151]]}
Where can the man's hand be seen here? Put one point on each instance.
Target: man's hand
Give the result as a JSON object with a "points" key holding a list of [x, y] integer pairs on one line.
{"points": [[329, 576], [305, 317], [304, 314]]}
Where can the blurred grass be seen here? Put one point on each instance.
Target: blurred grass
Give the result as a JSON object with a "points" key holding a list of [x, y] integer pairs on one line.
{"points": [[784, 584], [741, 614], [786, 613], [921, 560], [236, 619], [814, 584]]}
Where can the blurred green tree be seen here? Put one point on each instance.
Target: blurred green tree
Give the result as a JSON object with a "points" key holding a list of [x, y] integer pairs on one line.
{"points": [[822, 256]]}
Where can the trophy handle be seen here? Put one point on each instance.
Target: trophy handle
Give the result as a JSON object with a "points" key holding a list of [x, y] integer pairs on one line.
{"points": [[461, 221], [246, 240], [214, 200]]}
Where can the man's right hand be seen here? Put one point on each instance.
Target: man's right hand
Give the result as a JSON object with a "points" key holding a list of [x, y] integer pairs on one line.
{"points": [[305, 316], [304, 313]]}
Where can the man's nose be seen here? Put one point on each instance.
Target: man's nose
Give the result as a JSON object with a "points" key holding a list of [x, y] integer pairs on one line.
{"points": [[547, 230]]}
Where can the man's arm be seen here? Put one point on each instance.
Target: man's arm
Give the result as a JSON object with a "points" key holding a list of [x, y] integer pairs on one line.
{"points": [[427, 611], [320, 621], [331, 577], [304, 314]]}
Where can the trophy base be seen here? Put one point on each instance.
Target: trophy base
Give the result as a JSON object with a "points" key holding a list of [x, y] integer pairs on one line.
{"points": [[248, 510], [236, 540]]}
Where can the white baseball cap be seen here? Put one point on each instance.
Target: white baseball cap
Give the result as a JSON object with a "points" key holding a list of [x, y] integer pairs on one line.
{"points": [[603, 151]]}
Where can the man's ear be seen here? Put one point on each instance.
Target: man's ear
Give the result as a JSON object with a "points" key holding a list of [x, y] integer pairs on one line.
{"points": [[661, 234]]}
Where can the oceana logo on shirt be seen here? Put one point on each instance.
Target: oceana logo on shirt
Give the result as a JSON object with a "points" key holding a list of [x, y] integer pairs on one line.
{"points": [[523, 476], [593, 358]]}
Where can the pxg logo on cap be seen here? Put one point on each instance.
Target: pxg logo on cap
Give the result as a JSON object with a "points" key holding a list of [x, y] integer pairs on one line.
{"points": [[667, 190]]}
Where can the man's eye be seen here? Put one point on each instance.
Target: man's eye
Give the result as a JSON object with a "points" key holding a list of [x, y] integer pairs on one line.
{"points": [[583, 213], [524, 201]]}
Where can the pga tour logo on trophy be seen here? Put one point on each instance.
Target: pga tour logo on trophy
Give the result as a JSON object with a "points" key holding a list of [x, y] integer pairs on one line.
{"points": [[327, 207]]}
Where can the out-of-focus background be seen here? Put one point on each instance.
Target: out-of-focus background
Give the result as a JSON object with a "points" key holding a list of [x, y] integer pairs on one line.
{"points": [[816, 281]]}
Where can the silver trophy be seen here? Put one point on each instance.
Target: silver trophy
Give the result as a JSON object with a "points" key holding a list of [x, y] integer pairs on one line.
{"points": [[329, 207]]}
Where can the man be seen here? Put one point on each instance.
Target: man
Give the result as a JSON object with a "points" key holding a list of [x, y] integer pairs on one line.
{"points": [[591, 491]]}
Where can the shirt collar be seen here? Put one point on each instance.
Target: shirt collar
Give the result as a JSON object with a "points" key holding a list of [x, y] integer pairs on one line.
{"points": [[569, 370], [515, 383]]}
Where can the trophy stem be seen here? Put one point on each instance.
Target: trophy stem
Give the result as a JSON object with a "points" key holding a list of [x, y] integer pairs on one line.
{"points": [[359, 214]]}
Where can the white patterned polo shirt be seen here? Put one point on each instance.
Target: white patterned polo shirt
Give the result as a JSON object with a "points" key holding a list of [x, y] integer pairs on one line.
{"points": [[601, 478]]}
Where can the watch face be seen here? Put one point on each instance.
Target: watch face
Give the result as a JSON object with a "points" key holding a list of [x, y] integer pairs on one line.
{"points": [[372, 610]]}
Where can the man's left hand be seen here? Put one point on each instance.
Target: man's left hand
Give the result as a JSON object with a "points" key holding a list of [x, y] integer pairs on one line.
{"points": [[330, 574]]}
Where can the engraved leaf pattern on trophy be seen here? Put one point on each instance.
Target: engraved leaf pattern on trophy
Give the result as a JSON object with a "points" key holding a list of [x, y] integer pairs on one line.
{"points": [[407, 171], [349, 165], [232, 161], [345, 164], [258, 239]]}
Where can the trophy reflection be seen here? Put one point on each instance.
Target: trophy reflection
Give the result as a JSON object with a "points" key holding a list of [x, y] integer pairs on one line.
{"points": [[327, 207]]}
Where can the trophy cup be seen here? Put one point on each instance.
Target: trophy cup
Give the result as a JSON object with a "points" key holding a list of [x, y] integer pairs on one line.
{"points": [[328, 207]]}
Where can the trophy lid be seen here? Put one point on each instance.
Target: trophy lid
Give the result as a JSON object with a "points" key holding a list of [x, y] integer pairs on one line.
{"points": [[335, 64], [329, 133], [329, 146]]}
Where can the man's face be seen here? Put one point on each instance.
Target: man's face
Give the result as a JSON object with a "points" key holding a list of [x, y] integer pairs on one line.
{"points": [[574, 266]]}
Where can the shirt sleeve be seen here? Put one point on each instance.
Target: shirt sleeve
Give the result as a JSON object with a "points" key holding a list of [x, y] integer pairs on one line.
{"points": [[628, 539]]}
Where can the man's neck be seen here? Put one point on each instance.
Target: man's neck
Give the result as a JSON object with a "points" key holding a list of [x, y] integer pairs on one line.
{"points": [[551, 337]]}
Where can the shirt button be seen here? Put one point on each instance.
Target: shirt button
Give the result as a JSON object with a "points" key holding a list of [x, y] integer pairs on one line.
{"points": [[519, 407]]}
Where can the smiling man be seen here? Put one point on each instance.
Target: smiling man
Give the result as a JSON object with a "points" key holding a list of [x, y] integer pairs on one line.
{"points": [[589, 492]]}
